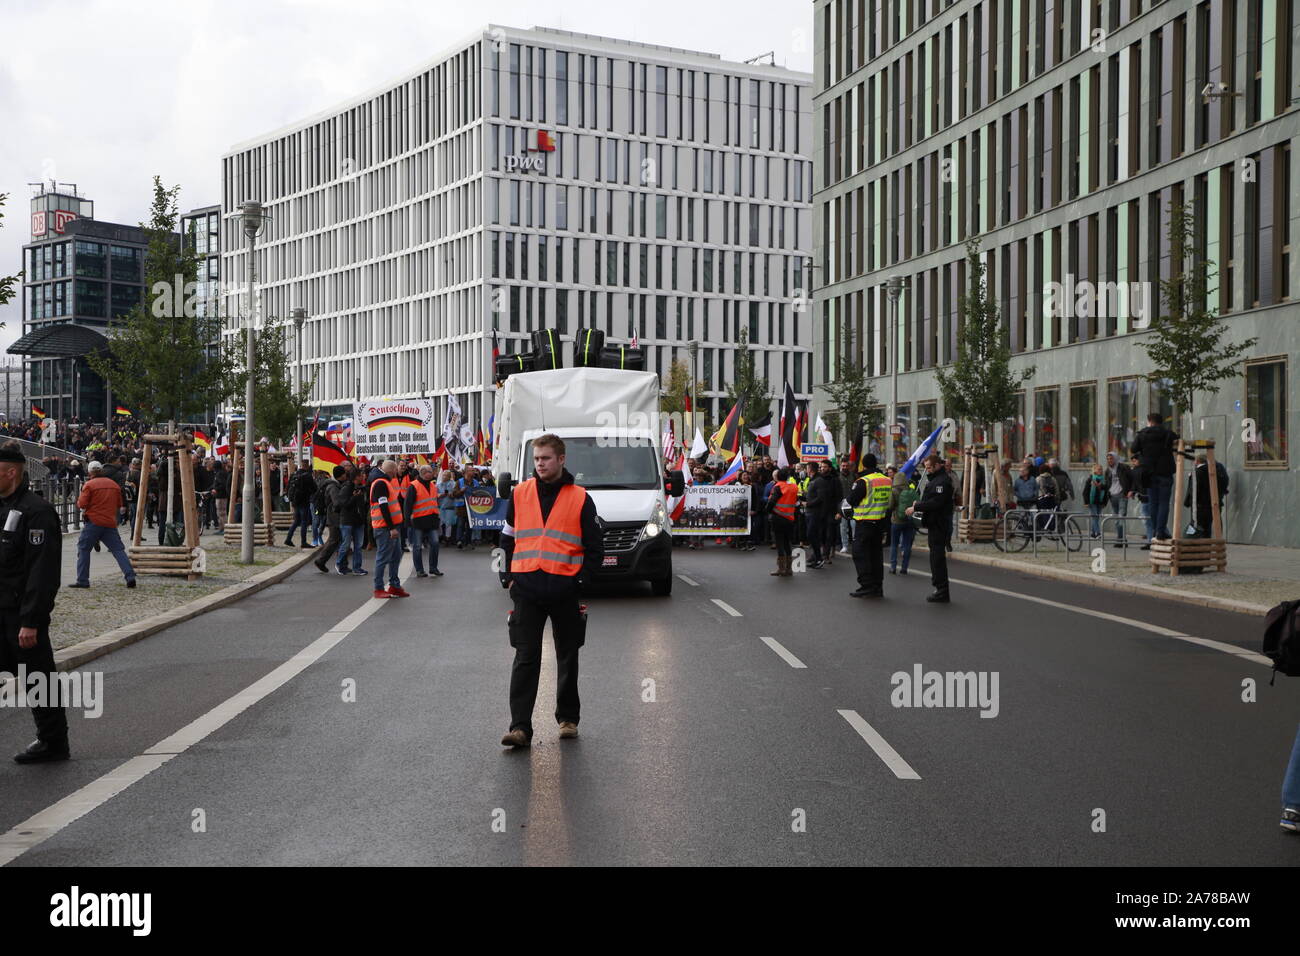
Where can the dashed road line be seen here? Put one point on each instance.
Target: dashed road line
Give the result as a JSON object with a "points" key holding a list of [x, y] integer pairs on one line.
{"points": [[727, 607], [902, 770], [782, 653], [694, 584]]}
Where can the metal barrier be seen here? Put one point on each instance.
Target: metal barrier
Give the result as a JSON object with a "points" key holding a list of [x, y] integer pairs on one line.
{"points": [[62, 493], [1035, 532], [1124, 541]]}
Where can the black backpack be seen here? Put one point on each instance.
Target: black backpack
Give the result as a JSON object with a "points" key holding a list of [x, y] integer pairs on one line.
{"points": [[1281, 642], [323, 499]]}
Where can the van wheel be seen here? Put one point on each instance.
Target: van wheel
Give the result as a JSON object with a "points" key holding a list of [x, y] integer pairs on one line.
{"points": [[663, 586]]}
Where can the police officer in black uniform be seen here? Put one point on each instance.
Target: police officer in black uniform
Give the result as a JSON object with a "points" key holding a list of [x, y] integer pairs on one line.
{"points": [[31, 540], [936, 507]]}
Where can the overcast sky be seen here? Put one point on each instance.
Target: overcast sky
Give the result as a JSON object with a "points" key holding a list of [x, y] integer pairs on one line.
{"points": [[108, 93]]}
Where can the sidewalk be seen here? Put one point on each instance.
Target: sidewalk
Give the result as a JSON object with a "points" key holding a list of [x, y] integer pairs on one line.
{"points": [[1256, 579], [108, 606]]}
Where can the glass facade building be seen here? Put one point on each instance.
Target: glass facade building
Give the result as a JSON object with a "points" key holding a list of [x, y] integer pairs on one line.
{"points": [[1059, 134], [537, 178]]}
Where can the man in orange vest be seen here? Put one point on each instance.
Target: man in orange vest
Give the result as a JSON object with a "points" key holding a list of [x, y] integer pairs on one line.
{"points": [[553, 545], [386, 520], [421, 505]]}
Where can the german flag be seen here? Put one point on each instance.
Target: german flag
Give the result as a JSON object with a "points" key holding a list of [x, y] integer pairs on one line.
{"points": [[37, 413], [123, 410], [325, 455], [481, 453], [727, 438], [202, 440]]}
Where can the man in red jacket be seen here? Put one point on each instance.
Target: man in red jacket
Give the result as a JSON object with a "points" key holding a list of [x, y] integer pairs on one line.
{"points": [[101, 500]]}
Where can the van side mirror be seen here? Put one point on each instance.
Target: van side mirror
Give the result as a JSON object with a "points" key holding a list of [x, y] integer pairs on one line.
{"points": [[674, 484], [504, 484]]}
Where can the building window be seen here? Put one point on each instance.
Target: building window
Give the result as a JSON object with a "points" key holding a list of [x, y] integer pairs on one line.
{"points": [[514, 81], [1047, 438], [1013, 432], [1266, 405], [1083, 424], [1121, 416], [1158, 401]]}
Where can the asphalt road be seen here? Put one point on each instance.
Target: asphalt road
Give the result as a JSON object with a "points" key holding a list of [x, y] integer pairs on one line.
{"points": [[700, 742]]}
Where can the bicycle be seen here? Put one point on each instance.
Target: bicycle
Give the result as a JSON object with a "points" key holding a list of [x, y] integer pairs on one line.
{"points": [[1032, 524]]}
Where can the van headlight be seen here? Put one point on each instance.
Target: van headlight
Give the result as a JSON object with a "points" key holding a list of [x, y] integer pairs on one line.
{"points": [[658, 521]]}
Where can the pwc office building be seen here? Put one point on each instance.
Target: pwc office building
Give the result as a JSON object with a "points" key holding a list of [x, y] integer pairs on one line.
{"points": [[1058, 133], [532, 179]]}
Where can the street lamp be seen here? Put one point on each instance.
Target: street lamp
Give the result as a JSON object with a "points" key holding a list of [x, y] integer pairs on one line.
{"points": [[694, 350], [255, 220], [894, 286], [299, 316]]}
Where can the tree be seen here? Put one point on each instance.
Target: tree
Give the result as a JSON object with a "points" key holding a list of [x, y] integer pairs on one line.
{"points": [[672, 398], [7, 283], [980, 388], [158, 360], [1186, 345], [277, 407], [748, 386], [852, 396]]}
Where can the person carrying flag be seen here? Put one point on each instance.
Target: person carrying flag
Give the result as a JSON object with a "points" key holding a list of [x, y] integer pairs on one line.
{"points": [[870, 502], [553, 545]]}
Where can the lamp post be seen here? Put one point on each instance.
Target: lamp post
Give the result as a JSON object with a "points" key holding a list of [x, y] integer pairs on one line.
{"points": [[255, 220], [299, 317], [694, 349], [894, 285]]}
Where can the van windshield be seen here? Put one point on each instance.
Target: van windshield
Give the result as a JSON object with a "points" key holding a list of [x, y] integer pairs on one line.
{"points": [[612, 467]]}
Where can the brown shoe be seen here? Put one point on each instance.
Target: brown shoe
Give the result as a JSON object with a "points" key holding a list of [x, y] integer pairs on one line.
{"points": [[568, 730], [516, 738]]}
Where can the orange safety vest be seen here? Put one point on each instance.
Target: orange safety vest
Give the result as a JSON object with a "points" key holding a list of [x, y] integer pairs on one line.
{"points": [[403, 482], [554, 546], [377, 510], [789, 495], [426, 500]]}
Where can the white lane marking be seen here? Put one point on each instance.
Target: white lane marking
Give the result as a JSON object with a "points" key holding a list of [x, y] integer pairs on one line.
{"points": [[1232, 649], [694, 584], [782, 653], [44, 824], [727, 607], [902, 770]]}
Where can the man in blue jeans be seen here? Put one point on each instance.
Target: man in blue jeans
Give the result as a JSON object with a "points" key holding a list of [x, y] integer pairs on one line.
{"points": [[1154, 448], [421, 507], [101, 500], [1291, 790], [350, 502], [386, 520], [302, 488]]}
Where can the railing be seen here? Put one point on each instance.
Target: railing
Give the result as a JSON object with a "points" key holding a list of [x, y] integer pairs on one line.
{"points": [[62, 493]]}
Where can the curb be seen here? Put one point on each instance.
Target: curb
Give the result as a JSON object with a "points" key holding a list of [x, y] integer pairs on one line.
{"points": [[1203, 600], [83, 652]]}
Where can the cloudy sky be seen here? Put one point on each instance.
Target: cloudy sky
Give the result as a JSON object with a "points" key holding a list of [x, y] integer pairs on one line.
{"points": [[108, 93]]}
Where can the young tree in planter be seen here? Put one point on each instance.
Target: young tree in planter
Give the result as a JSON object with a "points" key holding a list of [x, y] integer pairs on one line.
{"points": [[158, 360], [980, 387], [280, 409], [852, 397], [749, 387], [1186, 347]]}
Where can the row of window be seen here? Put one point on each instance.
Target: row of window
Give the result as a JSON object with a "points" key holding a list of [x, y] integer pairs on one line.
{"points": [[590, 91], [1077, 435], [989, 52], [644, 214], [631, 163], [95, 300], [1094, 277], [91, 260]]}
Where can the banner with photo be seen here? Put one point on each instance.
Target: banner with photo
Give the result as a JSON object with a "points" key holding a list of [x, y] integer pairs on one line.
{"points": [[403, 427], [714, 510], [485, 509]]}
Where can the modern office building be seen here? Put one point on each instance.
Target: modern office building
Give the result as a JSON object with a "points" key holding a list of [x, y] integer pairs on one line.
{"points": [[78, 273], [201, 232], [1058, 133], [536, 178]]}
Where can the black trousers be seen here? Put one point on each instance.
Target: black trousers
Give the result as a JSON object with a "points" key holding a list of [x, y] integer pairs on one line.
{"points": [[832, 532], [330, 546], [782, 533], [937, 541], [526, 624], [869, 554], [815, 532], [51, 722]]}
